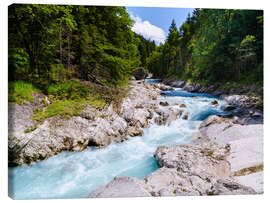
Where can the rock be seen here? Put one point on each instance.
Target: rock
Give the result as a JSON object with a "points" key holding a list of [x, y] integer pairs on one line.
{"points": [[213, 119], [122, 187], [246, 152], [215, 102], [166, 116], [178, 83], [257, 115], [185, 117], [161, 120], [195, 159], [164, 103], [134, 131], [222, 131], [245, 146], [183, 106], [192, 87], [253, 180], [165, 88], [228, 187], [140, 73], [230, 108], [88, 113], [171, 182]]}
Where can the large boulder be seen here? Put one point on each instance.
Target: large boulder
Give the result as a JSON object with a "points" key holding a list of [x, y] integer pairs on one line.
{"points": [[195, 159], [122, 187]]}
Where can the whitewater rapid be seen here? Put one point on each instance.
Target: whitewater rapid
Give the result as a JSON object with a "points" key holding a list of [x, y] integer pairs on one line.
{"points": [[76, 174]]}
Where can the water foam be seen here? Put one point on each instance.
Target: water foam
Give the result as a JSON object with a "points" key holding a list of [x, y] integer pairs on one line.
{"points": [[76, 174]]}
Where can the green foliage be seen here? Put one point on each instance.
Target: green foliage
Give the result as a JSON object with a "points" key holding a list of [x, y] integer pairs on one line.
{"points": [[213, 45], [65, 108], [52, 43], [68, 90], [69, 99], [18, 63], [21, 92]]}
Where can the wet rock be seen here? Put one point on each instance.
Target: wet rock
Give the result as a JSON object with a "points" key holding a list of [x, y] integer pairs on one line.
{"points": [[185, 117], [134, 131], [162, 120], [165, 88], [164, 103], [183, 106], [230, 108], [257, 115], [166, 116], [215, 102]]}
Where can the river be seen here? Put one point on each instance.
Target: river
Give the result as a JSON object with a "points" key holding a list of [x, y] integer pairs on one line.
{"points": [[76, 174]]}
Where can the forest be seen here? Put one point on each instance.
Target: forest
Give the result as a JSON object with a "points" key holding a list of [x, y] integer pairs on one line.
{"points": [[74, 54], [87, 54], [213, 45]]}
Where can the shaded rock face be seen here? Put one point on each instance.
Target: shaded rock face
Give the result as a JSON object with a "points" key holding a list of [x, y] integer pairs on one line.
{"points": [[140, 73], [91, 128]]}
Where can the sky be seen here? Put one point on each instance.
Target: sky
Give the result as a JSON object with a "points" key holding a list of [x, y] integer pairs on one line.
{"points": [[153, 22]]}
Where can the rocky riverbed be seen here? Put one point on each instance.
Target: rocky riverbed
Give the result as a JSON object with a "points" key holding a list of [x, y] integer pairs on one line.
{"points": [[226, 157], [92, 128], [245, 102]]}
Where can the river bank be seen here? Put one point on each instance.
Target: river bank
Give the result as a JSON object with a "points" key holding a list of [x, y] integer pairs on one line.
{"points": [[93, 127], [162, 119]]}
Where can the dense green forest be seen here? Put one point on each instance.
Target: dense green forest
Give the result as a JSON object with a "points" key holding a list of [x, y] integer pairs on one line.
{"points": [[79, 55], [213, 45], [50, 43]]}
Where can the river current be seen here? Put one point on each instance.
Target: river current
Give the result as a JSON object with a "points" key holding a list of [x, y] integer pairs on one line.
{"points": [[76, 174]]}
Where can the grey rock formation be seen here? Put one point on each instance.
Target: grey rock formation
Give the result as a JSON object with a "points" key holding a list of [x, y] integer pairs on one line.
{"points": [[228, 187], [30, 141], [122, 187], [185, 170], [195, 159]]}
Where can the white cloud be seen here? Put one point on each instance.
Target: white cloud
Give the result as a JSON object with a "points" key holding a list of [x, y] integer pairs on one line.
{"points": [[149, 31]]}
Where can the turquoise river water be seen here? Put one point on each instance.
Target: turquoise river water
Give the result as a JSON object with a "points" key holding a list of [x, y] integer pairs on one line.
{"points": [[76, 174]]}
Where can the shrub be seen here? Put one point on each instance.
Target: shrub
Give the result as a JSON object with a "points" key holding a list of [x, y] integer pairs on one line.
{"points": [[20, 92]]}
